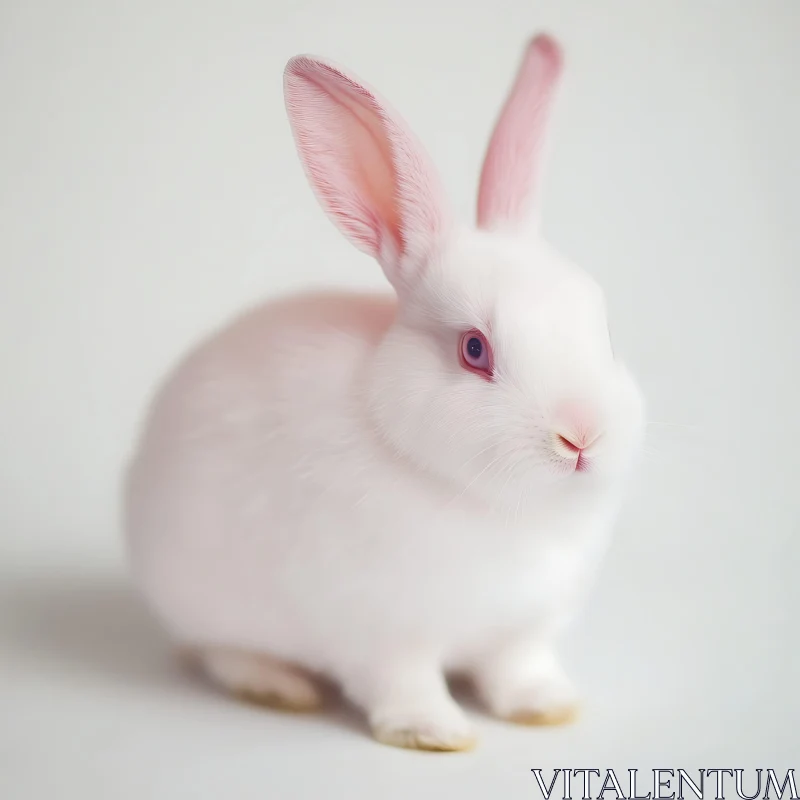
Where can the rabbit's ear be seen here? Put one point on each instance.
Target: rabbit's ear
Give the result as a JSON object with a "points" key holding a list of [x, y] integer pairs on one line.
{"points": [[368, 171], [512, 168]]}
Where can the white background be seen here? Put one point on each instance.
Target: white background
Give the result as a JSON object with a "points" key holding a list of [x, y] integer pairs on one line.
{"points": [[149, 189]]}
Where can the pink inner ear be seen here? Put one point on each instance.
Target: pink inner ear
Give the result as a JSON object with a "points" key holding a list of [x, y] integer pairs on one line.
{"points": [[346, 153], [367, 170], [511, 169]]}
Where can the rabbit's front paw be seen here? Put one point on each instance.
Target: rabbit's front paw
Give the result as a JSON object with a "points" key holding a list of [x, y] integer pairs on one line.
{"points": [[527, 686], [408, 704], [544, 700], [442, 727]]}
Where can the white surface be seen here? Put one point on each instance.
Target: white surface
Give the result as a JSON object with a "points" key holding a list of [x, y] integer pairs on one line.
{"points": [[149, 189]]}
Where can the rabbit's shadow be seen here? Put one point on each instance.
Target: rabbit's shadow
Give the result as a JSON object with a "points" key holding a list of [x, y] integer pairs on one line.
{"points": [[95, 625], [88, 622]]}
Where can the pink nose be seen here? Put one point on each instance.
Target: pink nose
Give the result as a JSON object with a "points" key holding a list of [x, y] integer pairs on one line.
{"points": [[577, 441], [573, 444]]}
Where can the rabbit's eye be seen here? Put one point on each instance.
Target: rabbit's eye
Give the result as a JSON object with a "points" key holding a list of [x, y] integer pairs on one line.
{"points": [[476, 354]]}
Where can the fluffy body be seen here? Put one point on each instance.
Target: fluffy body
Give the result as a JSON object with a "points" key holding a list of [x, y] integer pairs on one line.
{"points": [[322, 484]]}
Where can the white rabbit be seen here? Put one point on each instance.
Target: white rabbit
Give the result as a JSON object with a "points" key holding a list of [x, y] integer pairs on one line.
{"points": [[383, 490]]}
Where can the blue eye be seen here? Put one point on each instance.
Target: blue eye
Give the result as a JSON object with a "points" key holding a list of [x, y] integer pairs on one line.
{"points": [[476, 355]]}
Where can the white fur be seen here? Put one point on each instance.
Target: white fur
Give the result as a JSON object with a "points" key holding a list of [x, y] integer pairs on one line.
{"points": [[323, 483]]}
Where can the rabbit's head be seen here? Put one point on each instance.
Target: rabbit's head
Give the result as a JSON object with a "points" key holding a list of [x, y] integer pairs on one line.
{"points": [[498, 373]]}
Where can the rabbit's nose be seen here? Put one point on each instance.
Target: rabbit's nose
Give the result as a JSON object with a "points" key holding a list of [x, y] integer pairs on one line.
{"points": [[575, 426], [576, 442], [573, 444]]}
